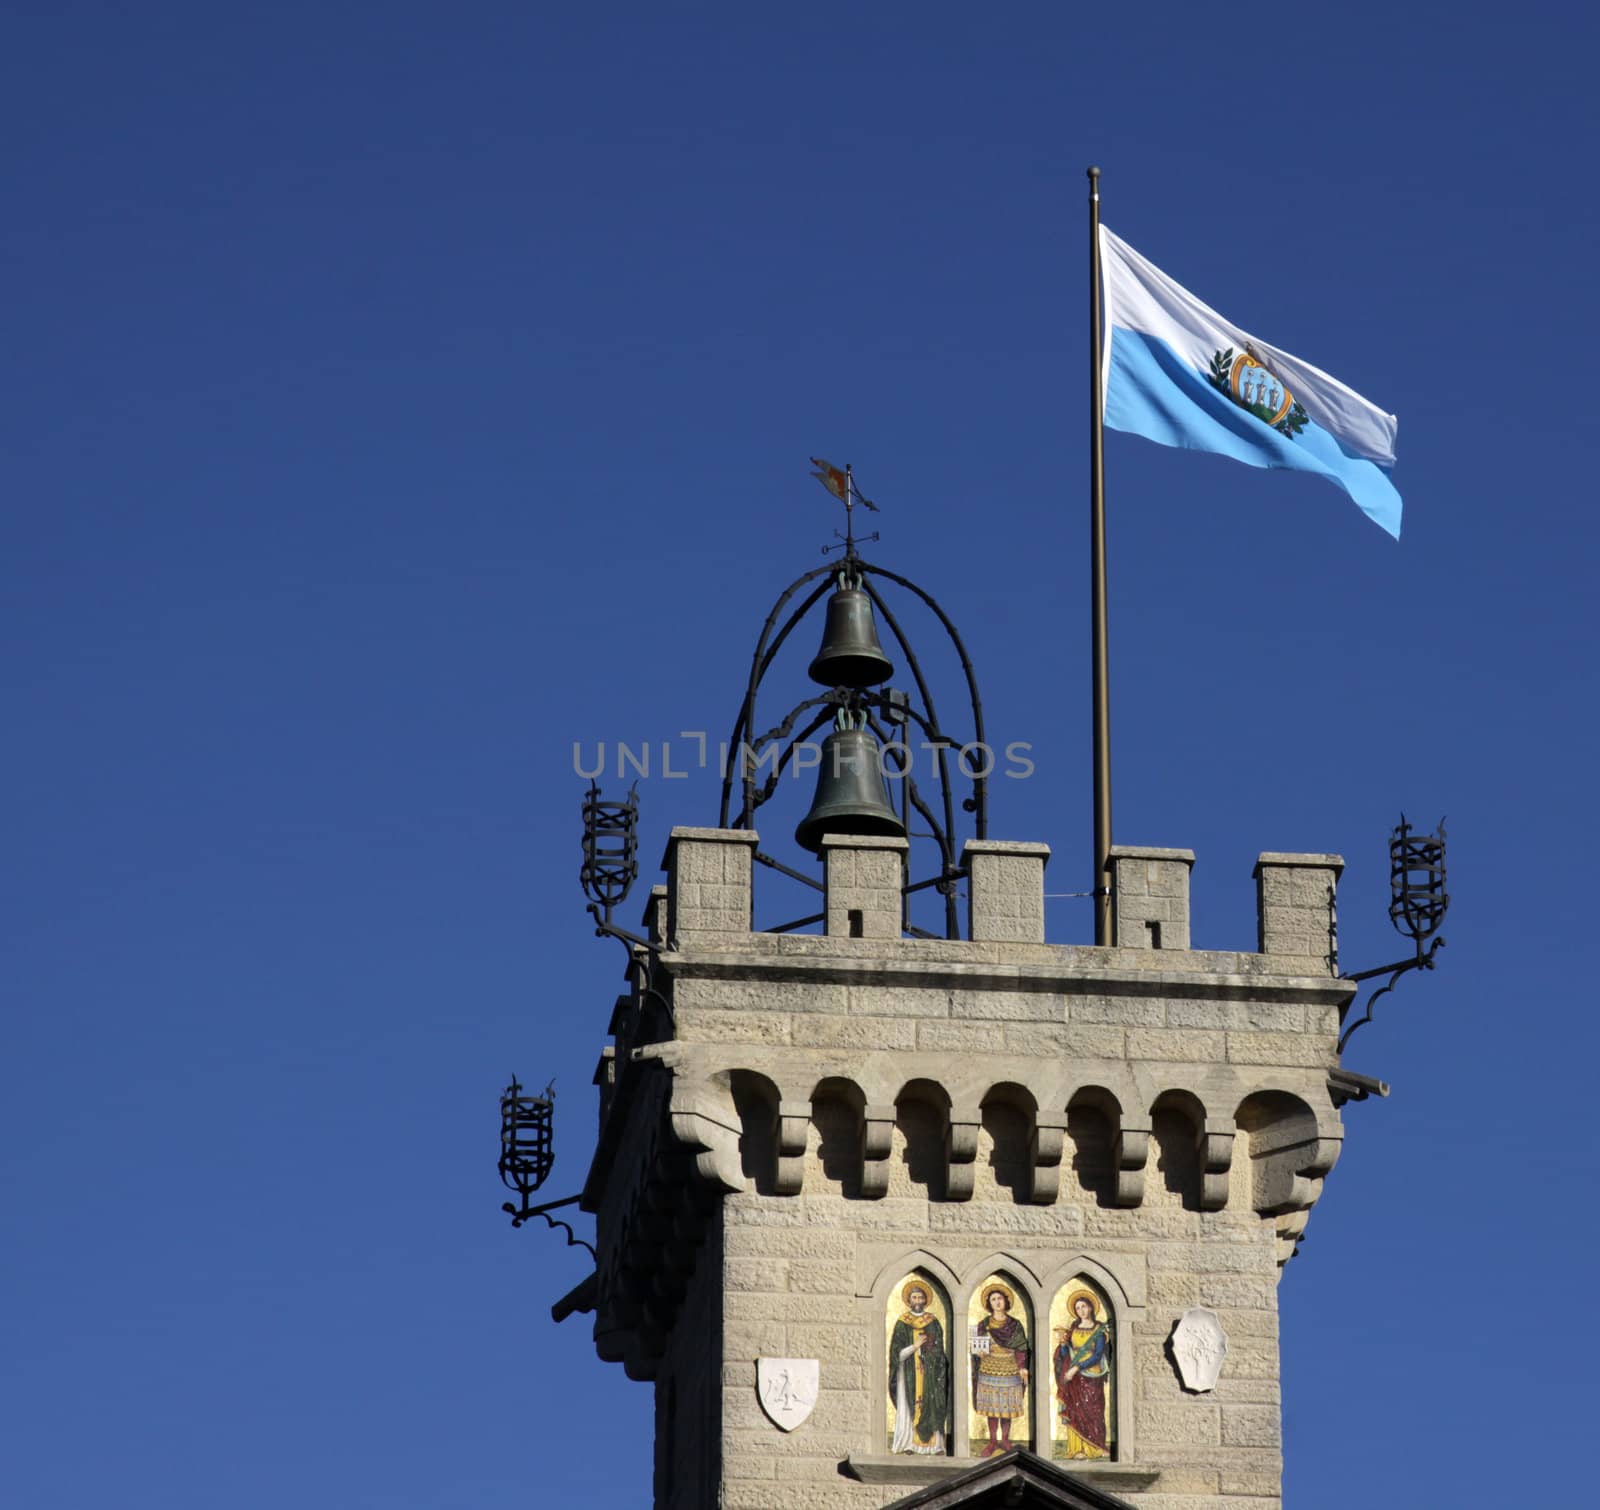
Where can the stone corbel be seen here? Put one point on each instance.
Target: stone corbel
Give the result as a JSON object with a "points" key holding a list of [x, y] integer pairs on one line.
{"points": [[1129, 1150], [1214, 1147], [641, 1353], [961, 1151], [1044, 1151], [1294, 1159], [703, 1119], [613, 1323], [610, 1339], [794, 1125], [1288, 1230], [877, 1139], [705, 1123]]}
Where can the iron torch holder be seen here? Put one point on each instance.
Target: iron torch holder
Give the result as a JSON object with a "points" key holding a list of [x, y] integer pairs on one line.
{"points": [[1418, 903]]}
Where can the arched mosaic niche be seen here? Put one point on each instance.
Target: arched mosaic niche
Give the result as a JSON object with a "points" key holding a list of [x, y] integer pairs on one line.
{"points": [[1082, 1372], [1000, 1347], [917, 1335]]}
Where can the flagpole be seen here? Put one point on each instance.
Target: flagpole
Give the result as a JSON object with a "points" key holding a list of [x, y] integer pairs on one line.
{"points": [[1097, 587]]}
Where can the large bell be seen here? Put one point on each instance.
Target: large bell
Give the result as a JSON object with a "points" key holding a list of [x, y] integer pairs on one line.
{"points": [[851, 655], [851, 797]]}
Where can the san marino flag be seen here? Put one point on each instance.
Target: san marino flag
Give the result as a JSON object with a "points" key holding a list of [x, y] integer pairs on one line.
{"points": [[1176, 372]]}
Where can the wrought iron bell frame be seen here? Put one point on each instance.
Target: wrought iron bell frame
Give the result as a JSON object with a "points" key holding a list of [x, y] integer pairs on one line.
{"points": [[879, 708]]}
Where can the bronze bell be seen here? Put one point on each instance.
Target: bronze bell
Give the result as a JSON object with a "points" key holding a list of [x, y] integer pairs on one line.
{"points": [[851, 655], [851, 797]]}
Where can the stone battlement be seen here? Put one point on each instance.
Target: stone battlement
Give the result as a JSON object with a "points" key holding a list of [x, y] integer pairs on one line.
{"points": [[709, 897]]}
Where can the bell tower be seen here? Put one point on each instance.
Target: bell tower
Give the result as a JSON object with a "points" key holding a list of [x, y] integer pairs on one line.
{"points": [[899, 1203]]}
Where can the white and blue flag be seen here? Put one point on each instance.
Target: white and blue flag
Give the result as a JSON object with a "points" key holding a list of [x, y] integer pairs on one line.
{"points": [[1176, 372]]}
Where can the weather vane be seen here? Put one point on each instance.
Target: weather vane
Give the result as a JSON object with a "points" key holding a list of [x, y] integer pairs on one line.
{"points": [[841, 483]]}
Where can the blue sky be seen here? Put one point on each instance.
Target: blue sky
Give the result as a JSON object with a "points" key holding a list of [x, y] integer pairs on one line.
{"points": [[398, 394]]}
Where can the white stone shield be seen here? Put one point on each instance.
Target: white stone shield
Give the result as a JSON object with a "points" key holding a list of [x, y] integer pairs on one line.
{"points": [[787, 1389], [1199, 1345]]}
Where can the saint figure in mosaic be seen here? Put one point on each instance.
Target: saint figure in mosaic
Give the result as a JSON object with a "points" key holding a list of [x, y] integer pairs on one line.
{"points": [[1082, 1368], [919, 1373], [1000, 1358]]}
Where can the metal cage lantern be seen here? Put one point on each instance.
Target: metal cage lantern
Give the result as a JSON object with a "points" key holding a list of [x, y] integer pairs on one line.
{"points": [[610, 848], [527, 1154], [526, 1150], [1416, 880], [1417, 905]]}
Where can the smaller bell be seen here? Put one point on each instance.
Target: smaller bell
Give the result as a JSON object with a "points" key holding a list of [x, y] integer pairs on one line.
{"points": [[850, 655], [851, 797]]}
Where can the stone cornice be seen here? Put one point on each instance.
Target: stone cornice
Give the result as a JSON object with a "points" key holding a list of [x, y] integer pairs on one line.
{"points": [[1048, 968]]}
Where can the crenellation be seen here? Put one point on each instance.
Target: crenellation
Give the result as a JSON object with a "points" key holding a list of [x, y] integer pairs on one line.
{"points": [[1150, 898], [863, 886], [708, 882], [1005, 891], [1297, 906]]}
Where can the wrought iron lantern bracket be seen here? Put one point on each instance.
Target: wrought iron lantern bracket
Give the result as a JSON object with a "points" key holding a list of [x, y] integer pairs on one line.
{"points": [[1423, 961], [527, 1155], [610, 867], [525, 1212], [1417, 905]]}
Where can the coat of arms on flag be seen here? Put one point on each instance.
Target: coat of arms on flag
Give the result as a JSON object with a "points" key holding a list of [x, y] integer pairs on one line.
{"points": [[1257, 389]]}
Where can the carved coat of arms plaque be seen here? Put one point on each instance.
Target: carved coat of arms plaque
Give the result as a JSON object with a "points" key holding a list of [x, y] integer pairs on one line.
{"points": [[1199, 1345], [787, 1389]]}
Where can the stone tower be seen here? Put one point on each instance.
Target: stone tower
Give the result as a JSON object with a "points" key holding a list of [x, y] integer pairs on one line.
{"points": [[1088, 1165]]}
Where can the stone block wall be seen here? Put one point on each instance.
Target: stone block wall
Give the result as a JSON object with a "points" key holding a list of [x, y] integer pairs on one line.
{"points": [[830, 1113]]}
